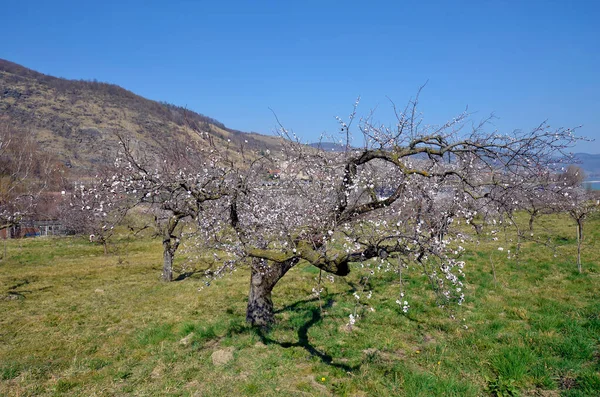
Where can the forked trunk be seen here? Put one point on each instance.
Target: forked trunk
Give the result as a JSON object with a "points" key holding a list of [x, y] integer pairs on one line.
{"points": [[263, 279]]}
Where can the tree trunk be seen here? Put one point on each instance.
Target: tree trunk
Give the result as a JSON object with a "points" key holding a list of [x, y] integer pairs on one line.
{"points": [[170, 245], [579, 242], [168, 253], [260, 305], [263, 279], [531, 219]]}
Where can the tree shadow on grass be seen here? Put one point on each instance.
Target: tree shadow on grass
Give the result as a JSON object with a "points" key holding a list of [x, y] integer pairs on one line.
{"points": [[303, 340], [185, 275], [296, 305]]}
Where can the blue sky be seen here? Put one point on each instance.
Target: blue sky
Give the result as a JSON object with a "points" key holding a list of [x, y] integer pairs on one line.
{"points": [[525, 61]]}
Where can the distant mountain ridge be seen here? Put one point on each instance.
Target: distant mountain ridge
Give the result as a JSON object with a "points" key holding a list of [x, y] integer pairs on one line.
{"points": [[77, 120], [589, 163], [329, 146]]}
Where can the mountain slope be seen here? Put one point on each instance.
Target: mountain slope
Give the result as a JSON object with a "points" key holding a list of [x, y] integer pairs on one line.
{"points": [[77, 120]]}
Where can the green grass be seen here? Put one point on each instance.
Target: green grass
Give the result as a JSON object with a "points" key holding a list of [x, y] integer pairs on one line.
{"points": [[76, 322]]}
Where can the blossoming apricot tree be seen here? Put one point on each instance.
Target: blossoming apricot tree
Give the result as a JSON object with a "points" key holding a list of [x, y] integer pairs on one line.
{"points": [[393, 201], [172, 186]]}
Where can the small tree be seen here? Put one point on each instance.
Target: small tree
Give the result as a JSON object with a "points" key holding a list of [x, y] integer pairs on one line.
{"points": [[567, 195], [536, 195], [173, 187], [538, 198], [579, 212], [94, 210], [579, 204]]}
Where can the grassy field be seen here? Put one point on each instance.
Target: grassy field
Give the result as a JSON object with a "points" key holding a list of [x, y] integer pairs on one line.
{"points": [[76, 322]]}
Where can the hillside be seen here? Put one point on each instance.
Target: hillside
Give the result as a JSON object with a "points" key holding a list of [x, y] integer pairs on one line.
{"points": [[77, 120], [329, 146]]}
